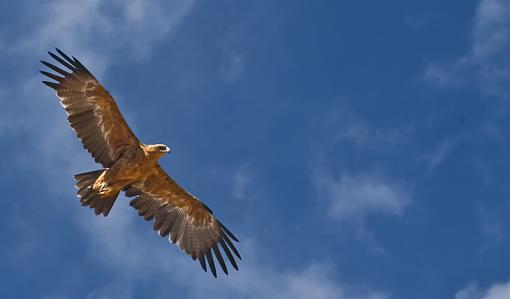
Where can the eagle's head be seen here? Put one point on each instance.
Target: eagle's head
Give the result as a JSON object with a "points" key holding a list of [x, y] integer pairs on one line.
{"points": [[159, 149]]}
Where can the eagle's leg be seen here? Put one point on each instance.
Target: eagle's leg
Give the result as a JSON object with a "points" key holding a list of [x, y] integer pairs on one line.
{"points": [[102, 186], [104, 189], [108, 188], [109, 183]]}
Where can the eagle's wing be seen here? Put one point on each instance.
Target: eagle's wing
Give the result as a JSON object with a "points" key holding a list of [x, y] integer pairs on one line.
{"points": [[183, 217], [92, 111]]}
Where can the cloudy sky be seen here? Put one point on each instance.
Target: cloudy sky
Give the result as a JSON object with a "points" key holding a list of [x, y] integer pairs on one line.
{"points": [[358, 149]]}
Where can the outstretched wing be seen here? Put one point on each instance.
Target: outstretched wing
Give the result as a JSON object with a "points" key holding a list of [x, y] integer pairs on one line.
{"points": [[185, 219], [91, 110]]}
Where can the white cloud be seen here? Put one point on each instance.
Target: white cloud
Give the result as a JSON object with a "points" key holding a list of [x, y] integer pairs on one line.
{"points": [[100, 27], [352, 198], [492, 29], [496, 291], [486, 63], [469, 292]]}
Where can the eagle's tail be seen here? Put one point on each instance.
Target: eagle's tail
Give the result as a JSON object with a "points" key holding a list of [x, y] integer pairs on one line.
{"points": [[89, 197]]}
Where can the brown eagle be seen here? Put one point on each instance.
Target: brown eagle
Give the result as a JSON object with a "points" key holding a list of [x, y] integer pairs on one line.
{"points": [[132, 167]]}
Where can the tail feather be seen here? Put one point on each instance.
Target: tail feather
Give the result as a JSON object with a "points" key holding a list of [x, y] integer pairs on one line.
{"points": [[87, 178], [89, 197]]}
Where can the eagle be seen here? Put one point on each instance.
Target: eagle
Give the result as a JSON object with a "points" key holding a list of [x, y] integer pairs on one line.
{"points": [[132, 167]]}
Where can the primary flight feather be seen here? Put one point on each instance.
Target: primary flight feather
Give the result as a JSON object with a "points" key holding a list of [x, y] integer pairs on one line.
{"points": [[132, 167]]}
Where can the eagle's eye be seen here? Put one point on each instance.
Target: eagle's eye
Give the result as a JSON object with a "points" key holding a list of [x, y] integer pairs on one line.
{"points": [[162, 148]]}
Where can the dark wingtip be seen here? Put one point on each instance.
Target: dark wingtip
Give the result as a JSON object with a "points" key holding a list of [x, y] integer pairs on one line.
{"points": [[220, 259], [78, 62], [62, 61], [202, 262], [46, 63], [228, 253], [80, 66], [229, 233], [210, 260], [55, 68], [63, 55], [51, 84], [232, 247], [52, 76]]}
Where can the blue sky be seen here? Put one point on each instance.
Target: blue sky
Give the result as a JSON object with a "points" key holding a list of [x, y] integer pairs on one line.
{"points": [[357, 148]]}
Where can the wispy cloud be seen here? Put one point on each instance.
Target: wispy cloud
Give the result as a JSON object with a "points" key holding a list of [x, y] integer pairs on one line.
{"points": [[344, 125], [437, 156], [418, 19], [233, 61], [471, 291], [242, 181], [232, 67], [90, 27], [496, 291], [491, 227], [486, 63], [354, 197]]}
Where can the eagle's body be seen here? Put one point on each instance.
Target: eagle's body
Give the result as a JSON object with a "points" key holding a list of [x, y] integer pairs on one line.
{"points": [[132, 167]]}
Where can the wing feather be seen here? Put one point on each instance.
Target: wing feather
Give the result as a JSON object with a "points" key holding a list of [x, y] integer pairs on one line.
{"points": [[185, 219], [202, 262], [92, 111], [210, 261]]}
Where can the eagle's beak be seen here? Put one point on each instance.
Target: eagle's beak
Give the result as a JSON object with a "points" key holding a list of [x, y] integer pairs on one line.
{"points": [[168, 150]]}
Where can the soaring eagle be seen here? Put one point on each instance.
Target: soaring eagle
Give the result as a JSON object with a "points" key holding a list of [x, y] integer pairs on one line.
{"points": [[132, 167]]}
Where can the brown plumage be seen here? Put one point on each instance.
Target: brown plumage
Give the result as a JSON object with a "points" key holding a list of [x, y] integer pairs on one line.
{"points": [[132, 166]]}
